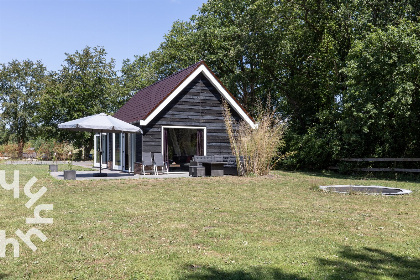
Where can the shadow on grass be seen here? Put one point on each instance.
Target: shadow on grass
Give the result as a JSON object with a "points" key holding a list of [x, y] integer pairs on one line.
{"points": [[351, 264], [366, 176], [369, 263], [384, 176], [210, 273], [2, 275]]}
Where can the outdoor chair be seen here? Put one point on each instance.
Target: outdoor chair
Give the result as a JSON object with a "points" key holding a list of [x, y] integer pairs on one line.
{"points": [[147, 161], [159, 162]]}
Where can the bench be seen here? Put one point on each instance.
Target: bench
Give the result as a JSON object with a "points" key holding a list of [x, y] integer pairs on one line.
{"points": [[196, 168], [394, 168], [199, 164]]}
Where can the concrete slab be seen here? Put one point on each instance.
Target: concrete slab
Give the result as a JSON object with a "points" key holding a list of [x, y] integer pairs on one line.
{"points": [[87, 164], [89, 175], [346, 189]]}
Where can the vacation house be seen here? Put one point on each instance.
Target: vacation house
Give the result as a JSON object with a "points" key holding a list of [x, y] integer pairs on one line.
{"points": [[179, 116]]}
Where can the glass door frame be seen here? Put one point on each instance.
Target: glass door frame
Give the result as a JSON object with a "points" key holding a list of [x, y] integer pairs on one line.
{"points": [[164, 141], [122, 151], [104, 145], [114, 151]]}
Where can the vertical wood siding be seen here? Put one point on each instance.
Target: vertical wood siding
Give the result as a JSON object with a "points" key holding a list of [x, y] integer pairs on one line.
{"points": [[199, 104]]}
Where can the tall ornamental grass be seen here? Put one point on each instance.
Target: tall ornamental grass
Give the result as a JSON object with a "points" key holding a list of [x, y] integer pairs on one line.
{"points": [[258, 147]]}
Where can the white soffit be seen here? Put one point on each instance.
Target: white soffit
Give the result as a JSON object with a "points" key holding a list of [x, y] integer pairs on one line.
{"points": [[202, 68]]}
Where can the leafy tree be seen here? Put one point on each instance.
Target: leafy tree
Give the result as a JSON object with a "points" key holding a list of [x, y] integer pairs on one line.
{"points": [[135, 75], [179, 50], [51, 109], [21, 84], [234, 38], [240, 40], [87, 80], [4, 132], [330, 129], [86, 85], [382, 106]]}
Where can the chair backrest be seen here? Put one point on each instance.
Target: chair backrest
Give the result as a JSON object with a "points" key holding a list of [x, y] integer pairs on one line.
{"points": [[208, 158], [218, 158], [147, 158], [229, 158], [198, 158], [158, 159]]}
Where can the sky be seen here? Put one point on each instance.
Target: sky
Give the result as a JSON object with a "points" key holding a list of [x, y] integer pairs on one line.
{"points": [[47, 29]]}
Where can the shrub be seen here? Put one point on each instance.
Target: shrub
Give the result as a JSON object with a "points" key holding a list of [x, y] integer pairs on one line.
{"points": [[9, 150], [258, 146]]}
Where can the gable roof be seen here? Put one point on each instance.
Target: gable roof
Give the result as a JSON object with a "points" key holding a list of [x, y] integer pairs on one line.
{"points": [[151, 100]]}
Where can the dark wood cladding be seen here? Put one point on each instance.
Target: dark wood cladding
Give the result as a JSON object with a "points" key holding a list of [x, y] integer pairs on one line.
{"points": [[110, 145], [198, 105], [139, 147]]}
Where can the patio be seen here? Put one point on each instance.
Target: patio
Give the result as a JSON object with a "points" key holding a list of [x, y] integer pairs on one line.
{"points": [[89, 175], [111, 174]]}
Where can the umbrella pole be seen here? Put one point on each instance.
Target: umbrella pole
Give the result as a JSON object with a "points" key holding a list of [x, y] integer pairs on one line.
{"points": [[100, 152]]}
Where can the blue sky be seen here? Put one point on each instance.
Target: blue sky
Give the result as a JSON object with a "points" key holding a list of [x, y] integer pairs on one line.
{"points": [[47, 29]]}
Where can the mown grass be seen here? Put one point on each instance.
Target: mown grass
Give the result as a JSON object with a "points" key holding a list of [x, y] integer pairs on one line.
{"points": [[275, 227]]}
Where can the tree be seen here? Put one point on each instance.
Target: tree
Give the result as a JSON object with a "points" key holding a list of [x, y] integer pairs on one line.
{"points": [[21, 84], [324, 123], [87, 81], [179, 50], [381, 110], [235, 38], [87, 85], [327, 67], [51, 110], [135, 75]]}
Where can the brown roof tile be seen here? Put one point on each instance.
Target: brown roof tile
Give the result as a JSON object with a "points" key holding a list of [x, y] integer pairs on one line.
{"points": [[146, 100]]}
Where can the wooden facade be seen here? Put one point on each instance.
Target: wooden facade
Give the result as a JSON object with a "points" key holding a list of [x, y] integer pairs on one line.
{"points": [[198, 105], [189, 100]]}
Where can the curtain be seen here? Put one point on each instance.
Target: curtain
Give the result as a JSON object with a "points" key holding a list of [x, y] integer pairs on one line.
{"points": [[165, 146], [200, 142]]}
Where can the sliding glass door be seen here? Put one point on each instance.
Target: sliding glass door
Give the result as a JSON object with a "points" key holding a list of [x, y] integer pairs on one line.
{"points": [[123, 151], [97, 146], [181, 143], [116, 149]]}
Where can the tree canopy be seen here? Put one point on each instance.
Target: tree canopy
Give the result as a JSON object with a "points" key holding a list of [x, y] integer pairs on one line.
{"points": [[344, 74], [21, 84]]}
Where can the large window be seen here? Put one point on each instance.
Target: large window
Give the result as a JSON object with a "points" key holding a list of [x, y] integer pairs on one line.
{"points": [[117, 147], [98, 145], [124, 149], [180, 144]]}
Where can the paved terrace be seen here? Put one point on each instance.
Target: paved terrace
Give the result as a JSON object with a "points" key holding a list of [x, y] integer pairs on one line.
{"points": [[89, 175]]}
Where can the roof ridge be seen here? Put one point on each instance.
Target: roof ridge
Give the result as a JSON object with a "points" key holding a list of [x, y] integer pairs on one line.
{"points": [[146, 99], [172, 75]]}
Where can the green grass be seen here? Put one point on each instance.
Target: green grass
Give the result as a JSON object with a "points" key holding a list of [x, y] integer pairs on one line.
{"points": [[275, 227]]}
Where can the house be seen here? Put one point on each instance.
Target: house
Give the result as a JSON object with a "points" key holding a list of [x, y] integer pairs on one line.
{"points": [[179, 116]]}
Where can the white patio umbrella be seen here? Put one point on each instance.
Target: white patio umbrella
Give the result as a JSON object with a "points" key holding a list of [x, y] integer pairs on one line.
{"points": [[99, 123]]}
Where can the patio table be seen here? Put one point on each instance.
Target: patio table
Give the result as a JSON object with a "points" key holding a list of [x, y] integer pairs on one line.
{"points": [[214, 168]]}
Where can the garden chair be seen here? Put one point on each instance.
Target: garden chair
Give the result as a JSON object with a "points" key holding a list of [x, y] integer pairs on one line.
{"points": [[147, 161], [159, 162]]}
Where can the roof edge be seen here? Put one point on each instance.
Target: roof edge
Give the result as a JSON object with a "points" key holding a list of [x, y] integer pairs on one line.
{"points": [[193, 67], [216, 83]]}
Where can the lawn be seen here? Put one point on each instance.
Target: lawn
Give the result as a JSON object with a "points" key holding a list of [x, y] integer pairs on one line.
{"points": [[274, 227]]}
